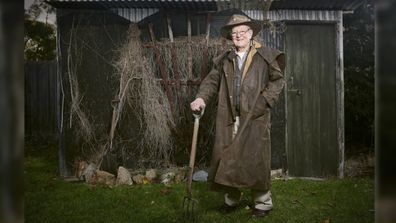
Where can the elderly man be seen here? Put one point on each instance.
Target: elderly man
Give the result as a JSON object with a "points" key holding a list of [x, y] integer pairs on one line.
{"points": [[247, 80]]}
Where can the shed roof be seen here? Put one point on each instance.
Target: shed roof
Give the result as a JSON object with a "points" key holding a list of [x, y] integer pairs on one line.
{"points": [[208, 5]]}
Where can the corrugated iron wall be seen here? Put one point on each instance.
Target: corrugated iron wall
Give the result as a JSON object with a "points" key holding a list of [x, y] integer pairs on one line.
{"points": [[295, 15], [135, 14], [270, 36], [41, 87], [209, 5]]}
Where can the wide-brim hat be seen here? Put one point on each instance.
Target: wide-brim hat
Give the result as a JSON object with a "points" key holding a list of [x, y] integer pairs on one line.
{"points": [[237, 20]]}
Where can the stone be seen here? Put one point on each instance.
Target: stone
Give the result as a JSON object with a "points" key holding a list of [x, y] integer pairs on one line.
{"points": [[180, 176], [81, 166], [123, 177], [138, 179], [88, 172], [168, 178], [103, 177], [200, 176], [151, 175], [276, 173]]}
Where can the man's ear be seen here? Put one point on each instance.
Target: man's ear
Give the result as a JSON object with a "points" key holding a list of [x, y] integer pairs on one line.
{"points": [[251, 34]]}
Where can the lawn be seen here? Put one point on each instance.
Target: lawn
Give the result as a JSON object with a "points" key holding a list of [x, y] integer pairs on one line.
{"points": [[49, 199]]}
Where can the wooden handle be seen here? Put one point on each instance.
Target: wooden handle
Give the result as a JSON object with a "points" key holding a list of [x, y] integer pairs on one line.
{"points": [[192, 155]]}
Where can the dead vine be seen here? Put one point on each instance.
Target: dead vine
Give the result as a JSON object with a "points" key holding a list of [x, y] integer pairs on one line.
{"points": [[142, 92], [74, 58]]}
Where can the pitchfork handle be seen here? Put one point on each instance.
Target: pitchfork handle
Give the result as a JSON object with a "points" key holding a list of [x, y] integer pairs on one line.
{"points": [[193, 150]]}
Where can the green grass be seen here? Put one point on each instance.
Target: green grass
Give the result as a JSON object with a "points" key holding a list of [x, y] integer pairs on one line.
{"points": [[48, 199]]}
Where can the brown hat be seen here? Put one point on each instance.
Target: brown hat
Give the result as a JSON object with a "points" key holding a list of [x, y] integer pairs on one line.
{"points": [[237, 20]]}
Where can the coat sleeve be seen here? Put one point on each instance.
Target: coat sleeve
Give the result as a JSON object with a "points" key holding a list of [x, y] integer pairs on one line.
{"points": [[276, 80], [210, 85]]}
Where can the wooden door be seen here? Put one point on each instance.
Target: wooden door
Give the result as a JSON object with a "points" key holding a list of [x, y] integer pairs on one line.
{"points": [[311, 129]]}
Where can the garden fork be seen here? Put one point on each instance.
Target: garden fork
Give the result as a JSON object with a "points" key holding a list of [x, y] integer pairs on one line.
{"points": [[190, 204]]}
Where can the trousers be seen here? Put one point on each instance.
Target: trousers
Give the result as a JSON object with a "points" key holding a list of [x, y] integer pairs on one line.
{"points": [[262, 199]]}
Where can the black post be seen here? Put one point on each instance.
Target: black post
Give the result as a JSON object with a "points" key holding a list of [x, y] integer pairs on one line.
{"points": [[11, 111]]}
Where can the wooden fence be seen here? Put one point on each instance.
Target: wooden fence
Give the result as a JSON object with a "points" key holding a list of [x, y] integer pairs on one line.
{"points": [[41, 98]]}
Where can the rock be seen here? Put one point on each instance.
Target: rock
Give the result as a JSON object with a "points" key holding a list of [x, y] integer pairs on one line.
{"points": [[168, 175], [81, 166], [168, 178], [180, 176], [88, 172], [166, 181], [123, 177], [145, 181], [200, 176], [103, 177], [276, 173], [151, 175], [138, 179]]}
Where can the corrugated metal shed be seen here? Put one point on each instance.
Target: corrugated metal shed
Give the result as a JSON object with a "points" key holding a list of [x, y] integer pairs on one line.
{"points": [[291, 4], [191, 5], [317, 4], [135, 14], [286, 14], [208, 5], [297, 15]]}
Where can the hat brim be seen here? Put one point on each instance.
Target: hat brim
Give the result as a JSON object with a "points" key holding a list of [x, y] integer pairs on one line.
{"points": [[225, 31]]}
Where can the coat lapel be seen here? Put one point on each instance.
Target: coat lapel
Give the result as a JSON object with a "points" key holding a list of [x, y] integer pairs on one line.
{"points": [[229, 79], [249, 59]]}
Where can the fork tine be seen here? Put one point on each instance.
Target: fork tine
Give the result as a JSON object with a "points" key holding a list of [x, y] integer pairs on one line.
{"points": [[190, 207]]}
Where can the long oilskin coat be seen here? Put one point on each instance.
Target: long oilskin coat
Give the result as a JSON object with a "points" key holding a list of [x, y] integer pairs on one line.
{"points": [[245, 161]]}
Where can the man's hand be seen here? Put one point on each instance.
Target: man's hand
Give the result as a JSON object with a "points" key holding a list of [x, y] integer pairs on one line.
{"points": [[197, 104]]}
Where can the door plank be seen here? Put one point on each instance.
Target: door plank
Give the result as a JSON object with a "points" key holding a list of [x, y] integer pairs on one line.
{"points": [[312, 149]]}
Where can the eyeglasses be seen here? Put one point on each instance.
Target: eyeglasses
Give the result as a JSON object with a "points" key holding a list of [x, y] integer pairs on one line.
{"points": [[234, 34]]}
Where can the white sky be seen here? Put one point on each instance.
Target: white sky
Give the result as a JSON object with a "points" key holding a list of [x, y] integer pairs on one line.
{"points": [[51, 17], [28, 3]]}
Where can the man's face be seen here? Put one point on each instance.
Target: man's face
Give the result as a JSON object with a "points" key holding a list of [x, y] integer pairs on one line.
{"points": [[241, 36]]}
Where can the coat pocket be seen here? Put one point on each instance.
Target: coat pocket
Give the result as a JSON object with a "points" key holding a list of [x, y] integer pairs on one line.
{"points": [[260, 108]]}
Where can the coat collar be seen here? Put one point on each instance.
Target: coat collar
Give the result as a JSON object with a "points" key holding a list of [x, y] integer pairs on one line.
{"points": [[267, 53], [232, 54]]}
